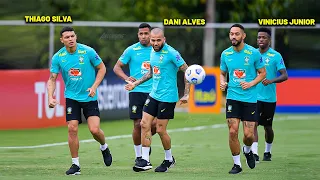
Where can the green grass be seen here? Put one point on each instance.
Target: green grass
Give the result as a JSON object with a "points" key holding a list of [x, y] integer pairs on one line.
{"points": [[202, 154]]}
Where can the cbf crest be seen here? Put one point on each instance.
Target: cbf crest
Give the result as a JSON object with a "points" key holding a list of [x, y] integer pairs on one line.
{"points": [[246, 60], [81, 60], [134, 109], [229, 108], [69, 110], [147, 102], [267, 61], [160, 58]]}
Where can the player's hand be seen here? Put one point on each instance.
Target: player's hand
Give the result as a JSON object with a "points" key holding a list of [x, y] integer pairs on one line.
{"points": [[223, 86], [245, 85], [266, 82], [130, 86], [184, 99], [131, 79], [92, 91], [52, 102]]}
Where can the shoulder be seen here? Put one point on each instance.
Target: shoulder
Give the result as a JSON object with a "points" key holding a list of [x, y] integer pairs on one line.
{"points": [[276, 53], [82, 48], [249, 50], [227, 52], [62, 52], [169, 49]]}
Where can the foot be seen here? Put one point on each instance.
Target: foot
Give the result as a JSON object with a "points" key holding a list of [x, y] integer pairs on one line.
{"points": [[267, 156], [251, 161], [107, 157], [166, 164], [236, 169], [137, 159], [142, 165], [74, 170], [256, 157]]}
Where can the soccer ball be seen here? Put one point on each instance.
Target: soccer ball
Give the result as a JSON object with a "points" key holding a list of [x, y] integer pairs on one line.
{"points": [[195, 74]]}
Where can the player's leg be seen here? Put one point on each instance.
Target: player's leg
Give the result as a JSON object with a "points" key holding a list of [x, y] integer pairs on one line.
{"points": [[73, 117], [269, 134], [165, 112], [148, 115], [249, 123], [233, 120], [254, 146], [92, 114]]}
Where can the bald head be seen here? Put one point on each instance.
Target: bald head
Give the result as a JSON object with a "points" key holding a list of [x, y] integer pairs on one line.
{"points": [[157, 39], [157, 32]]}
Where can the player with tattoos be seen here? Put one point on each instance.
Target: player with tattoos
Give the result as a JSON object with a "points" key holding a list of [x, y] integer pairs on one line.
{"points": [[77, 64], [241, 62], [165, 62]]}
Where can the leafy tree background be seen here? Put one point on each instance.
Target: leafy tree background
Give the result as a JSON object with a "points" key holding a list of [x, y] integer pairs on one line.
{"points": [[26, 47]]}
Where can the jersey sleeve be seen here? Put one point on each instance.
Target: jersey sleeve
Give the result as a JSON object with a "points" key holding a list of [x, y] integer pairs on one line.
{"points": [[258, 61], [280, 63], [223, 65], [176, 58], [94, 58], [55, 67], [126, 56]]}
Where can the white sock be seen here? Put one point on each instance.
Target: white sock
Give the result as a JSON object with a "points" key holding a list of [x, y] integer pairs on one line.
{"points": [[137, 149], [145, 153], [268, 147], [103, 147], [254, 148], [236, 160], [168, 155], [246, 149], [76, 161]]}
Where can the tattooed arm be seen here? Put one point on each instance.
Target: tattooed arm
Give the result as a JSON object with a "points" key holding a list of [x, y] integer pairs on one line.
{"points": [[51, 87], [185, 97], [131, 85]]}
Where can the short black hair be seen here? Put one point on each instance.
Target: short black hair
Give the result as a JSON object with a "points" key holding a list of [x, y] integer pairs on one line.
{"points": [[66, 28], [266, 30], [238, 25], [145, 25]]}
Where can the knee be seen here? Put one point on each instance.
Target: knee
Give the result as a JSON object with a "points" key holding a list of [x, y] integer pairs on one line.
{"points": [[161, 130], [248, 135], [94, 130], [144, 125], [233, 133], [72, 129]]}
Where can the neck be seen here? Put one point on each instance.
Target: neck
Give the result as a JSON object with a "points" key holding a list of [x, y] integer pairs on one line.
{"points": [[146, 45], [263, 50], [71, 49], [239, 47]]}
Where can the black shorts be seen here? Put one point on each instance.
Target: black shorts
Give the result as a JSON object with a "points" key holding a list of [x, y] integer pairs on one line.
{"points": [[136, 103], [73, 109], [161, 110], [265, 113], [242, 110]]}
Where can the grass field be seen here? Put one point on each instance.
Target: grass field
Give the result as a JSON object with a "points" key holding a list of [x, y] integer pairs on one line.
{"points": [[201, 152]]}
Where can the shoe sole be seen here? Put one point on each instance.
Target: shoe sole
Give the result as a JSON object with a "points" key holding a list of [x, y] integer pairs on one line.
{"points": [[138, 169], [171, 166], [236, 173], [76, 173]]}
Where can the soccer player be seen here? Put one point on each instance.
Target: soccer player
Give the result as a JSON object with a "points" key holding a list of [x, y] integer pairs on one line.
{"points": [[241, 62], [77, 64], [165, 62], [267, 97], [137, 56]]}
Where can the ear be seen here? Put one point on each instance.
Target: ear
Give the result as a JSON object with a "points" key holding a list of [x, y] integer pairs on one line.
{"points": [[164, 39], [61, 40], [244, 35]]}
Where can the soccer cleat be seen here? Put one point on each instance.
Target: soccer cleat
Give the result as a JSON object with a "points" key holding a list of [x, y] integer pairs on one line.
{"points": [[165, 165], [267, 156], [256, 157], [137, 159], [107, 157], [251, 161], [74, 170], [236, 169], [142, 165]]}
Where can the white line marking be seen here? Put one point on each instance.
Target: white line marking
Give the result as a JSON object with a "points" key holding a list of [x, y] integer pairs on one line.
{"points": [[197, 128]]}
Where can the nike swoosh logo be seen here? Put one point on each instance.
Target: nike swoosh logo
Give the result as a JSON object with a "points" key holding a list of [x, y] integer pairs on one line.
{"points": [[163, 110], [253, 112]]}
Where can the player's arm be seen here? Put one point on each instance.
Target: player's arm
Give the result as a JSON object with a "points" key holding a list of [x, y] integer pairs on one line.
{"points": [[283, 76], [51, 85], [283, 72], [117, 69], [223, 73], [144, 78], [102, 70], [261, 76], [183, 68]]}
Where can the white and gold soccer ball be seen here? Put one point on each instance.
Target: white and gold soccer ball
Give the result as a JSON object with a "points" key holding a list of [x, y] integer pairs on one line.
{"points": [[195, 74]]}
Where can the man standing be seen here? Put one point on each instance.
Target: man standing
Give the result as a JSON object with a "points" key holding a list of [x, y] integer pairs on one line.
{"points": [[137, 56], [267, 96], [77, 64], [165, 62], [241, 62]]}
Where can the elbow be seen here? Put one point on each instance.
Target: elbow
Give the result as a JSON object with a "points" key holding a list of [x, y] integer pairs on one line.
{"points": [[286, 77], [263, 74]]}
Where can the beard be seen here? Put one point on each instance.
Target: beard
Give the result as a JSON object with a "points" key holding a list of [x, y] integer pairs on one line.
{"points": [[160, 47], [235, 42]]}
